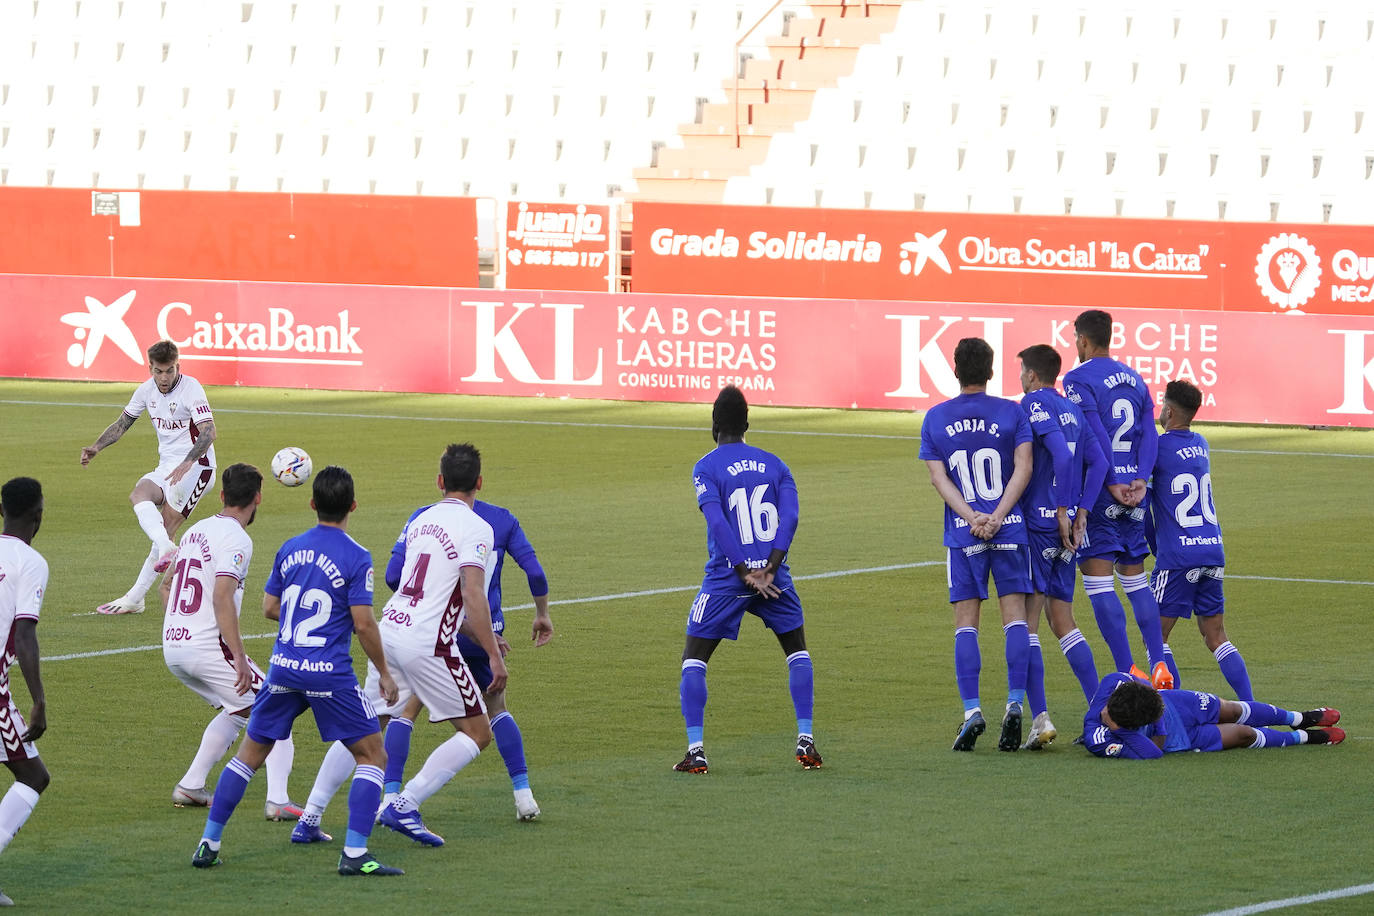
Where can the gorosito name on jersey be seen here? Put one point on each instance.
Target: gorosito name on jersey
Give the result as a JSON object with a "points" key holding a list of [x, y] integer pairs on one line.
{"points": [[174, 416], [442, 544]]}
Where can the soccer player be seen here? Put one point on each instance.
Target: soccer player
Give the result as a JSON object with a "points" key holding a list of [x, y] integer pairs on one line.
{"points": [[201, 642], [1129, 718], [1121, 412], [164, 497], [750, 503], [320, 589], [509, 539], [23, 580], [978, 451], [448, 557], [1185, 537], [1066, 476]]}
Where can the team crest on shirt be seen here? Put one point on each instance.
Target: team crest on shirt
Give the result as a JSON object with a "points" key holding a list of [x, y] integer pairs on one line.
{"points": [[369, 578], [1114, 749], [700, 487]]}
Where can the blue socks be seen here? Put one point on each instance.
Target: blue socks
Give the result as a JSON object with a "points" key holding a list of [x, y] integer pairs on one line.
{"points": [[800, 683], [233, 781], [1233, 669], [1035, 677], [364, 797], [1173, 667], [1146, 610], [1111, 618], [1253, 713], [1266, 737], [1018, 657], [397, 744], [512, 747], [693, 694], [1080, 658], [968, 665]]}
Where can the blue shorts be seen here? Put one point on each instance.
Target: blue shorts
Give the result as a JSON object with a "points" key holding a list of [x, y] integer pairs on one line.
{"points": [[341, 714], [1053, 571], [1117, 534], [479, 663], [1191, 718], [1180, 592], [719, 616], [967, 569]]}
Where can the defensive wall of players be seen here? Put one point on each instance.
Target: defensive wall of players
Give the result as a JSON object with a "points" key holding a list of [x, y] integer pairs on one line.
{"points": [[305, 291]]}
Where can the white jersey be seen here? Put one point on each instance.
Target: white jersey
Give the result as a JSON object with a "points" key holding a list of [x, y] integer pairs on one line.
{"points": [[424, 615], [23, 579], [213, 547], [176, 417]]}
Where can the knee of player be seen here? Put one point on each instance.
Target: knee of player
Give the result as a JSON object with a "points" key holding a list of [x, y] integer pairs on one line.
{"points": [[480, 733], [35, 777]]}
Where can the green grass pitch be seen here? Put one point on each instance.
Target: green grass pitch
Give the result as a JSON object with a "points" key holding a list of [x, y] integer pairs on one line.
{"points": [[894, 822]]}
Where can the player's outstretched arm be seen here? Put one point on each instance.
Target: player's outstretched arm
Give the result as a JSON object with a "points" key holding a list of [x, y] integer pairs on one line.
{"points": [[365, 625], [227, 618], [109, 437], [204, 440], [26, 649]]}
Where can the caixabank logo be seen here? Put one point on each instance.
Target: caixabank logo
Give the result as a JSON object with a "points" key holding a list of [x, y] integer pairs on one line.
{"points": [[1288, 271]]}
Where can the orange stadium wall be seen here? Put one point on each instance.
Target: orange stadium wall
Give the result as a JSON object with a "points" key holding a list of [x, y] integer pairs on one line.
{"points": [[642, 346], [296, 238]]}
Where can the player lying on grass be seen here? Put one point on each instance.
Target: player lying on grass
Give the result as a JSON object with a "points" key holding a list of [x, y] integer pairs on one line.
{"points": [[1129, 718]]}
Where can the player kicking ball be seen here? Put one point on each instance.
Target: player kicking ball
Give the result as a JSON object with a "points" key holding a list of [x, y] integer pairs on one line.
{"points": [[165, 497], [1130, 719]]}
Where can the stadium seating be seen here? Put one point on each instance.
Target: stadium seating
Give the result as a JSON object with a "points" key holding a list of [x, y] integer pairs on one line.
{"points": [[1001, 105]]}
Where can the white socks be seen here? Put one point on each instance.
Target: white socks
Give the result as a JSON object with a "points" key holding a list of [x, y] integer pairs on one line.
{"points": [[443, 764], [150, 520], [335, 769], [218, 738], [278, 766], [15, 809]]}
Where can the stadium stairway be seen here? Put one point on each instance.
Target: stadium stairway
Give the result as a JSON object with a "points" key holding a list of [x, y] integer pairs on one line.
{"points": [[771, 96]]}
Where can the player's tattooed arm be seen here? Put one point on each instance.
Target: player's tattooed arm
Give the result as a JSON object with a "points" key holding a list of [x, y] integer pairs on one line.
{"points": [[109, 437], [204, 440]]}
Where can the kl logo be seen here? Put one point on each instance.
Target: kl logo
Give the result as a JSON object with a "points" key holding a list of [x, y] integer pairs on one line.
{"points": [[97, 323], [914, 255]]}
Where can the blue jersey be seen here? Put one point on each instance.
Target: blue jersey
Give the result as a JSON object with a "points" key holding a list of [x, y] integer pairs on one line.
{"points": [[976, 436], [318, 576], [1118, 406], [1064, 445], [751, 508], [1186, 534], [1119, 742], [509, 538]]}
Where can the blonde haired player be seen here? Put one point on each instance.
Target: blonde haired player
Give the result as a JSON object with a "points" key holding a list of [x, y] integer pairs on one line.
{"points": [[202, 644], [164, 497], [448, 555]]}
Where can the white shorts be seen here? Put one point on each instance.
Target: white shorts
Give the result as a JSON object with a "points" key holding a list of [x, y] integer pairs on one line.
{"points": [[185, 493], [444, 684], [211, 674], [372, 689], [12, 728]]}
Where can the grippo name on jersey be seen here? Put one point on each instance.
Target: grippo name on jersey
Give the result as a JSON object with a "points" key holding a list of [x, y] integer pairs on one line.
{"points": [[795, 246], [280, 333]]}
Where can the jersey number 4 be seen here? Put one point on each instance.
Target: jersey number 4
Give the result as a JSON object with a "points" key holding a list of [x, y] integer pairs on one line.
{"points": [[756, 517]]}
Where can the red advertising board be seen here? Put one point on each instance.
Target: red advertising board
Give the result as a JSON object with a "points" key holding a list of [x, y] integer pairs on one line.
{"points": [[1009, 259], [237, 235], [559, 246], [812, 352]]}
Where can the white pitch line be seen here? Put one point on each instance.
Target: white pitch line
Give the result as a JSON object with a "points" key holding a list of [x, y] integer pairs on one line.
{"points": [[643, 426], [521, 607], [1353, 891]]}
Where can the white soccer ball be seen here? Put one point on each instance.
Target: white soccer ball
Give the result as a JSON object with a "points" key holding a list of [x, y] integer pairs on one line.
{"points": [[291, 466]]}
